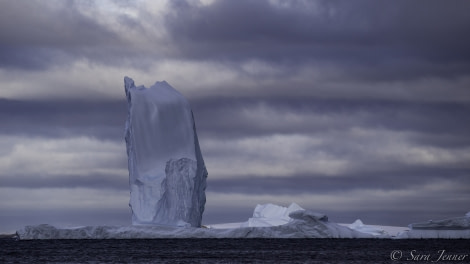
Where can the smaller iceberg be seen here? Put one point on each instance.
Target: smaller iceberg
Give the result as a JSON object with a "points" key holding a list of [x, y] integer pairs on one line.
{"points": [[376, 231], [457, 227], [271, 215]]}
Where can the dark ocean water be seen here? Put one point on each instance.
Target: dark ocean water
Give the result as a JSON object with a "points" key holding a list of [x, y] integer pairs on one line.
{"points": [[235, 251]]}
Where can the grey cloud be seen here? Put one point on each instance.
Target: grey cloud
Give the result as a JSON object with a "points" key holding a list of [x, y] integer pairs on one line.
{"points": [[30, 58], [35, 36], [12, 219], [94, 181], [387, 180], [367, 40], [435, 124], [99, 119], [444, 125], [389, 39], [226, 214], [319, 24], [364, 41]]}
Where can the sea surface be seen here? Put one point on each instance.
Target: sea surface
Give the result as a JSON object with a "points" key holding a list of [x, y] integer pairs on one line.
{"points": [[235, 251]]}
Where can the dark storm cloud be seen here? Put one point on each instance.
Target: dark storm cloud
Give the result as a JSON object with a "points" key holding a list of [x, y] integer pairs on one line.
{"points": [[349, 181], [436, 124], [30, 58], [269, 52], [62, 25], [36, 36], [52, 119], [378, 39], [13, 218], [94, 181]]}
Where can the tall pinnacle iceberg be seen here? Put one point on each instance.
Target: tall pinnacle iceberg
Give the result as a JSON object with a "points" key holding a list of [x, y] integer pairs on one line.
{"points": [[167, 175]]}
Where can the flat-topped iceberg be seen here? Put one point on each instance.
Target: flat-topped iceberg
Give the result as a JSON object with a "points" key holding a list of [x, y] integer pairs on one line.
{"points": [[300, 224], [456, 223], [304, 224], [457, 227], [167, 175]]}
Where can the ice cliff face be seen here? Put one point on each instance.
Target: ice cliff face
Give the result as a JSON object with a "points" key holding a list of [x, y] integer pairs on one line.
{"points": [[167, 175]]}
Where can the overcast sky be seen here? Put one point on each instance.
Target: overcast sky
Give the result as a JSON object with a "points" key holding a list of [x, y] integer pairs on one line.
{"points": [[356, 109]]}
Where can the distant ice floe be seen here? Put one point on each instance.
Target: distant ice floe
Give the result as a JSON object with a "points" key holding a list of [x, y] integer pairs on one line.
{"points": [[452, 228]]}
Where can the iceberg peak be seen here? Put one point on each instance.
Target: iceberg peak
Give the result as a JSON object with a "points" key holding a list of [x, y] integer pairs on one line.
{"points": [[167, 175]]}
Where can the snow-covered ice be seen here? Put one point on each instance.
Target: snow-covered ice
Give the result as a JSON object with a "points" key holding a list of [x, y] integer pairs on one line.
{"points": [[167, 175], [376, 231], [266, 215], [271, 215]]}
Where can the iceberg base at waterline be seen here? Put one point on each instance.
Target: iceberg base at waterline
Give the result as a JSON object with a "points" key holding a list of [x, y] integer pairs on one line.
{"points": [[268, 221], [304, 224]]}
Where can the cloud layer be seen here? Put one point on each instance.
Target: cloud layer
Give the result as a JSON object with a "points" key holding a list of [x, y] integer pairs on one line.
{"points": [[355, 109]]}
